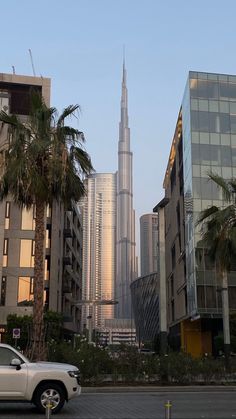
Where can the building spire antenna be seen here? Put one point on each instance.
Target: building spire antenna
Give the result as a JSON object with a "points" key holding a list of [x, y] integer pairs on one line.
{"points": [[124, 70], [32, 62]]}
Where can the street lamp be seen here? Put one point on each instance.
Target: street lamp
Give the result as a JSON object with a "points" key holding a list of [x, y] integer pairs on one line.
{"points": [[92, 303]]}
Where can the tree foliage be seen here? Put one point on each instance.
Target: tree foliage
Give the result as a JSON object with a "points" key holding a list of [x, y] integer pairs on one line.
{"points": [[42, 161], [218, 225]]}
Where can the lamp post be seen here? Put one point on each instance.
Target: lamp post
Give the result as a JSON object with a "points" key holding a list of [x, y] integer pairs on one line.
{"points": [[91, 303]]}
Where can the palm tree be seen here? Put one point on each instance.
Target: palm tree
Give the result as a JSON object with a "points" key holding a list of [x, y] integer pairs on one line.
{"points": [[219, 235], [42, 161]]}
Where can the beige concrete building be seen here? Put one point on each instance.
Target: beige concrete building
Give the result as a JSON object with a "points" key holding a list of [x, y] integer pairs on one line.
{"points": [[63, 249]]}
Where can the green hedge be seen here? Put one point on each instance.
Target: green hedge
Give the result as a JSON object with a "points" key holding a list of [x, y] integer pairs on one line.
{"points": [[127, 365]]}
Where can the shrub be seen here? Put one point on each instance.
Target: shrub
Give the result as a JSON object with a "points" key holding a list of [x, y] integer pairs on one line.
{"points": [[177, 367], [211, 370], [91, 360]]}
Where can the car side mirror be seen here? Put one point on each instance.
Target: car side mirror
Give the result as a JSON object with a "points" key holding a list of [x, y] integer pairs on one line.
{"points": [[16, 362]]}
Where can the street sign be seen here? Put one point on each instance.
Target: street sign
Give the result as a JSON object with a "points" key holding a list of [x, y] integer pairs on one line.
{"points": [[16, 333]]}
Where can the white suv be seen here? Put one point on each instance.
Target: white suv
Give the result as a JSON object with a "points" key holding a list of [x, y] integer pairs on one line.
{"points": [[36, 382]]}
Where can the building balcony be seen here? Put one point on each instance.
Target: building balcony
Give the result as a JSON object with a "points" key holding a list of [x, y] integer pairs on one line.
{"points": [[67, 233], [67, 318], [66, 288], [46, 284], [68, 295], [67, 260]]}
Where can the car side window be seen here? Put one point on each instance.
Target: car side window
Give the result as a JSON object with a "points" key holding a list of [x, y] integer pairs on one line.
{"points": [[6, 356]]}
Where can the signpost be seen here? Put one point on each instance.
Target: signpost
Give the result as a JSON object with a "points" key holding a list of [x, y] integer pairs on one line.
{"points": [[16, 335]]}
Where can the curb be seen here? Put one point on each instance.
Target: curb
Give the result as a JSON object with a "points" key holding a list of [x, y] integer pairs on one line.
{"points": [[156, 389]]}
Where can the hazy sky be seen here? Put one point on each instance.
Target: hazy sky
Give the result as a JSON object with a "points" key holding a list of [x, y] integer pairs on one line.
{"points": [[79, 45]]}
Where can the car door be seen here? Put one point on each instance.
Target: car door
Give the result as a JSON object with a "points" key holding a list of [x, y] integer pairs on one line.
{"points": [[13, 381]]}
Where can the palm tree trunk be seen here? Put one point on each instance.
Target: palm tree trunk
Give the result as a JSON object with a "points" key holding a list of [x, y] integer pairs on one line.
{"points": [[38, 341], [225, 315]]}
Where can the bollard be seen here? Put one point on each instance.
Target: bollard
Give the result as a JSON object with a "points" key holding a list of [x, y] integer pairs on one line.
{"points": [[168, 406], [49, 406]]}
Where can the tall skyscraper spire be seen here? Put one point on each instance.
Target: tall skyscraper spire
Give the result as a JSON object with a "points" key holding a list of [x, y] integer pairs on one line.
{"points": [[125, 264]]}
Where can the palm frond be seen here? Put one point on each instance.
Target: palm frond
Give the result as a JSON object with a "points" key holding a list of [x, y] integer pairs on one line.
{"points": [[206, 214], [10, 119], [68, 111], [82, 159], [72, 135], [222, 184]]}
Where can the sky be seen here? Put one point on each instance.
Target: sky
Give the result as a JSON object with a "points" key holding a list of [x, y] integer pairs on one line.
{"points": [[79, 45]]}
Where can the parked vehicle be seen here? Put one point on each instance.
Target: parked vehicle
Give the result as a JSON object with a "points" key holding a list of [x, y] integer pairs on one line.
{"points": [[36, 382]]}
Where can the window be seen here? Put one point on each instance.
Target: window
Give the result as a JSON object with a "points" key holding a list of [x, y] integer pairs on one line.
{"points": [[195, 154], [48, 237], [7, 215], [172, 310], [173, 256], [25, 290], [173, 176], [214, 122], [215, 155], [27, 253], [212, 88], [49, 211], [226, 155], [3, 291], [6, 356], [47, 268], [210, 297], [172, 286], [205, 154], [203, 121], [28, 218], [4, 101], [200, 297], [185, 300], [206, 188], [224, 123], [5, 253]]}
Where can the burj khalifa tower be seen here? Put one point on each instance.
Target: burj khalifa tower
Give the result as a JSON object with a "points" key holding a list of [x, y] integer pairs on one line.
{"points": [[125, 244]]}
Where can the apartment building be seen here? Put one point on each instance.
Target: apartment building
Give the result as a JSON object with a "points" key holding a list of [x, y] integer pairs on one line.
{"points": [[98, 209], [63, 233]]}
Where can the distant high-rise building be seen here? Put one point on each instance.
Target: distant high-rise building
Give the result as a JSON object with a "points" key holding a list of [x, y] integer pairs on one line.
{"points": [[99, 247], [125, 247], [149, 243]]}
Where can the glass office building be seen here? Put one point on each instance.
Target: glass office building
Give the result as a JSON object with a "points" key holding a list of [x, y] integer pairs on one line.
{"points": [[145, 303], [204, 141]]}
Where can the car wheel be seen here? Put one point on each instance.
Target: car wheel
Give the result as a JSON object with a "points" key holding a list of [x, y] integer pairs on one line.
{"points": [[49, 391]]}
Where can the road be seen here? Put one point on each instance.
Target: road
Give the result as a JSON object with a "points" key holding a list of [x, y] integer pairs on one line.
{"points": [[187, 403]]}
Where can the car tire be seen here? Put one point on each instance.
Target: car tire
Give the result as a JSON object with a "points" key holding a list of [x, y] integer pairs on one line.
{"points": [[55, 391]]}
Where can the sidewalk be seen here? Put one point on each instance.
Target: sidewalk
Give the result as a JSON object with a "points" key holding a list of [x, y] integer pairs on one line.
{"points": [[160, 389]]}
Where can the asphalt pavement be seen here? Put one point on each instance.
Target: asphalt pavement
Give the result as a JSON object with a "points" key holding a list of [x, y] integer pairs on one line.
{"points": [[195, 402]]}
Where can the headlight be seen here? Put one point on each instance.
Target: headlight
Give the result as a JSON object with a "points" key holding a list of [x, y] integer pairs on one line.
{"points": [[74, 374]]}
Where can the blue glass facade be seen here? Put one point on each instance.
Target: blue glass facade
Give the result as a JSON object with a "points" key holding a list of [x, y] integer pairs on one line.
{"points": [[209, 144], [145, 303]]}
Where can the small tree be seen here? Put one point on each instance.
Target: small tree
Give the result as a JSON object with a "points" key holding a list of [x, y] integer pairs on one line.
{"points": [[53, 324], [219, 237]]}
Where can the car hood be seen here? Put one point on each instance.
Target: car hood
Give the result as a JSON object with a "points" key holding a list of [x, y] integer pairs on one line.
{"points": [[52, 366]]}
